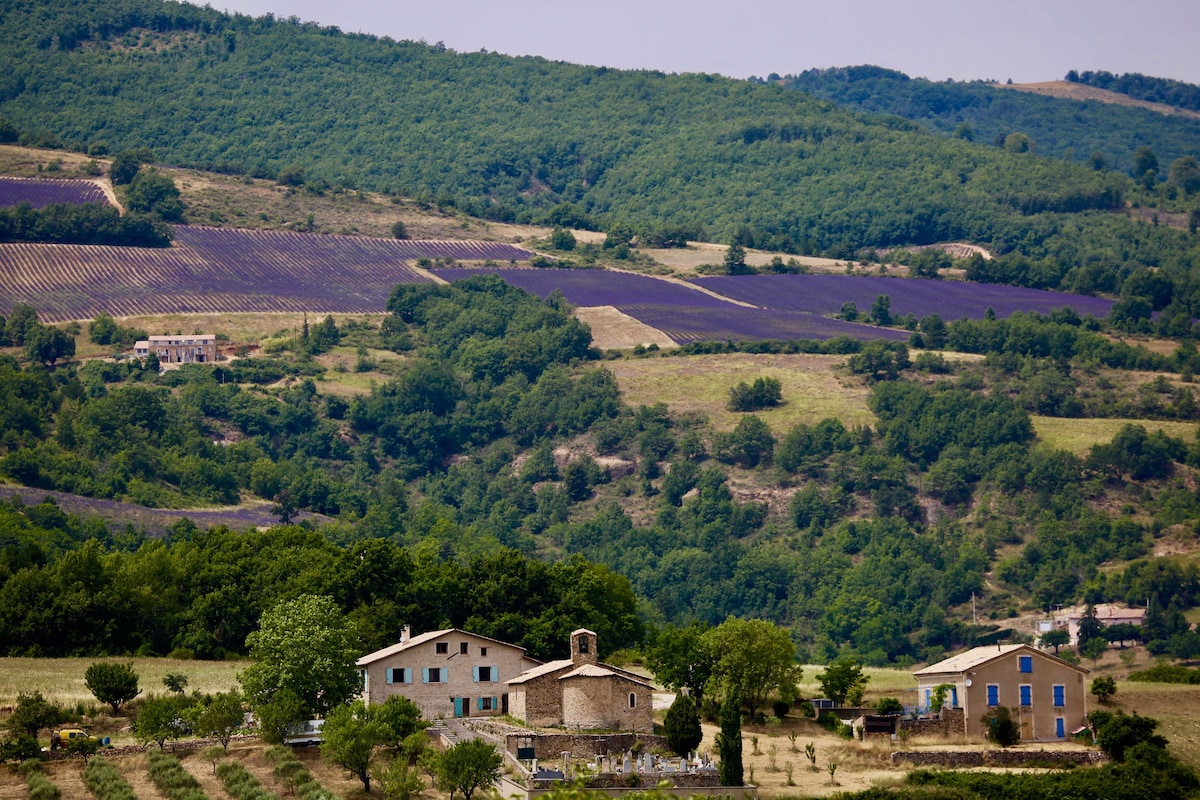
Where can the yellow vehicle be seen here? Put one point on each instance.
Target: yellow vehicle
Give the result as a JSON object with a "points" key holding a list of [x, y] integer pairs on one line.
{"points": [[61, 738]]}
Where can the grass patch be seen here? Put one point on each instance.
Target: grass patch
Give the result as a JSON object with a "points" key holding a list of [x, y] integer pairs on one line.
{"points": [[1174, 706], [60, 680], [812, 388], [1078, 435]]}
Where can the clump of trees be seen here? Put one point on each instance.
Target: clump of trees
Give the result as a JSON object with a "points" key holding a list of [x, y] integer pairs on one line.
{"points": [[765, 392]]}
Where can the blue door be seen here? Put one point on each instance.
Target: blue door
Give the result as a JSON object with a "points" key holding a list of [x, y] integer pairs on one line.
{"points": [[458, 706]]}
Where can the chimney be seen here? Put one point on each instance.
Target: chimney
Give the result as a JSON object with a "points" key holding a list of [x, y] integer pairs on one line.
{"points": [[405, 633]]}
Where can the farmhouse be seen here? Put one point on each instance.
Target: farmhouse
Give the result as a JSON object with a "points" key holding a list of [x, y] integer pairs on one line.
{"points": [[582, 692], [1046, 694], [198, 348], [449, 672]]}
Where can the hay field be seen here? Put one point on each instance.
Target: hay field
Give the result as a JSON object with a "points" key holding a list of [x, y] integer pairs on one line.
{"points": [[60, 680], [813, 389], [1078, 435]]}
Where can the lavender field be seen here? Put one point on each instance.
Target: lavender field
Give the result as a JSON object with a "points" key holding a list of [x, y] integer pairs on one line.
{"points": [[41, 192], [825, 294], [223, 270], [683, 313]]}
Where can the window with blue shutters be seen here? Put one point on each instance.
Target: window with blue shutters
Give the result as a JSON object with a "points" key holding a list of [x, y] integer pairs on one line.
{"points": [[993, 694], [1060, 728], [1060, 695], [1025, 664], [434, 675], [1026, 694]]}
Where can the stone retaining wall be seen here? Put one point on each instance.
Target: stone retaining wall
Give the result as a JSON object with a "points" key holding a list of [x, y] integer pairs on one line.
{"points": [[951, 722], [961, 759]]}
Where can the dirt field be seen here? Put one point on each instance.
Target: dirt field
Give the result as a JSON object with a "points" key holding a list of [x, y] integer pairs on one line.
{"points": [[1079, 91], [615, 330], [812, 389]]}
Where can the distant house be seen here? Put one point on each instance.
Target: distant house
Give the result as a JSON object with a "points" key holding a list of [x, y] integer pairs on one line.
{"points": [[449, 672], [198, 348], [1047, 695], [1106, 615], [581, 692]]}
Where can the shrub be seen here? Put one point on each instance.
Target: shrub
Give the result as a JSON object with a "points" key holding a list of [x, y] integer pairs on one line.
{"points": [[40, 787], [175, 782], [682, 725], [241, 784], [105, 783], [1000, 727]]}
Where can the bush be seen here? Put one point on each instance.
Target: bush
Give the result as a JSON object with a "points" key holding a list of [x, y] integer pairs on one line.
{"points": [[241, 784], [175, 782], [40, 787], [20, 749], [682, 726], [780, 708], [1166, 673], [1000, 727], [105, 783]]}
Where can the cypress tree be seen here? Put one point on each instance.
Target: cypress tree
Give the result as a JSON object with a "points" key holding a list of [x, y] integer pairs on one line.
{"points": [[729, 741], [682, 725]]}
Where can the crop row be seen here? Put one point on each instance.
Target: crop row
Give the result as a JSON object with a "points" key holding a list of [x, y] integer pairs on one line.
{"points": [[295, 777], [220, 270], [241, 784], [40, 192], [105, 783], [825, 294], [40, 787], [172, 779]]}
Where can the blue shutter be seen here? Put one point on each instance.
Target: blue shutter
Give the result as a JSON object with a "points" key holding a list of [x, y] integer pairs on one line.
{"points": [[1026, 695], [495, 674], [928, 697], [1060, 696], [993, 695], [425, 674], [408, 676], [495, 704], [479, 703], [1060, 730], [389, 675], [954, 697], [475, 676], [1026, 663]]}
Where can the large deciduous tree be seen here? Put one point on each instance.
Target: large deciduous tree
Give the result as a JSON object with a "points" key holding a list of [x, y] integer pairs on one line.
{"points": [[680, 659], [755, 658], [843, 680], [304, 646], [351, 734]]}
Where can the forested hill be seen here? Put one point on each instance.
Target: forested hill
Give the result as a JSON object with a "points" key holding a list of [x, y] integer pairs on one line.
{"points": [[506, 137], [1058, 127]]}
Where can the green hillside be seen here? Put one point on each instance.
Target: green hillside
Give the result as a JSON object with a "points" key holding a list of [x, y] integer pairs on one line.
{"points": [[1073, 130], [511, 138]]}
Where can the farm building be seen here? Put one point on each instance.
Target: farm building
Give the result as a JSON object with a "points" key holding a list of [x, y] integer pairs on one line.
{"points": [[582, 692], [449, 672], [198, 348], [1047, 695]]}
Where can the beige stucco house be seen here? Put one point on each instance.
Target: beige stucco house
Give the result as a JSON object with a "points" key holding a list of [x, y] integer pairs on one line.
{"points": [[445, 673], [1047, 695], [581, 692]]}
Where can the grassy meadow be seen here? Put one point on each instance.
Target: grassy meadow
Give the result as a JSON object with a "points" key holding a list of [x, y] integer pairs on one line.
{"points": [[812, 387], [1078, 435], [60, 680]]}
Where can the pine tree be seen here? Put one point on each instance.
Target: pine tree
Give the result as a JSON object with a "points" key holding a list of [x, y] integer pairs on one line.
{"points": [[729, 741], [682, 726]]}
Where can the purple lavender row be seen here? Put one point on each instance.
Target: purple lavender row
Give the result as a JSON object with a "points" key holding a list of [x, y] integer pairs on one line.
{"points": [[42, 192], [825, 294], [737, 323], [595, 287]]}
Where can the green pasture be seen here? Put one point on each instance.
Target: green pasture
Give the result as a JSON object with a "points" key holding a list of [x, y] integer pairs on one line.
{"points": [[1078, 435], [813, 387]]}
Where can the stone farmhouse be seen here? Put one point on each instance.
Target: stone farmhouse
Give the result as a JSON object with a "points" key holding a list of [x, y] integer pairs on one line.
{"points": [[583, 693], [197, 348], [1047, 695], [445, 673]]}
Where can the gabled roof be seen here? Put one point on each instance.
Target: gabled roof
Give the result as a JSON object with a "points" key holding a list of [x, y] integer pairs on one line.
{"points": [[399, 647], [543, 669], [978, 656], [602, 671]]}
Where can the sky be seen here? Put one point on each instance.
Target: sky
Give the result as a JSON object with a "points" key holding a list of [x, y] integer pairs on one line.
{"points": [[1025, 40]]}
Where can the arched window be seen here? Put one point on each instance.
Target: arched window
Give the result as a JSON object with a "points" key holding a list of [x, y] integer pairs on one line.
{"points": [[632, 700]]}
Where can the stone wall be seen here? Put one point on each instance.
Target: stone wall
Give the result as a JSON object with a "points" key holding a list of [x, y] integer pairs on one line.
{"points": [[959, 759], [543, 699], [951, 722]]}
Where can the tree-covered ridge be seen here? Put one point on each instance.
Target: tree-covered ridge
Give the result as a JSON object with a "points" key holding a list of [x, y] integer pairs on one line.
{"points": [[1057, 127], [1142, 87], [510, 138]]}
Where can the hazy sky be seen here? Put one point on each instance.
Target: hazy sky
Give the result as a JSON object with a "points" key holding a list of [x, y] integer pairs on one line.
{"points": [[1026, 40]]}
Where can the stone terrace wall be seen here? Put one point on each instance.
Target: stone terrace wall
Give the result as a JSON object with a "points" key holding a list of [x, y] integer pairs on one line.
{"points": [[952, 722], [550, 746], [957, 759]]}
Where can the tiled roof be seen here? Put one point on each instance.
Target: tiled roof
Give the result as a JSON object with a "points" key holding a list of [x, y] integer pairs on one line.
{"points": [[422, 639], [981, 655], [539, 671], [602, 671]]}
